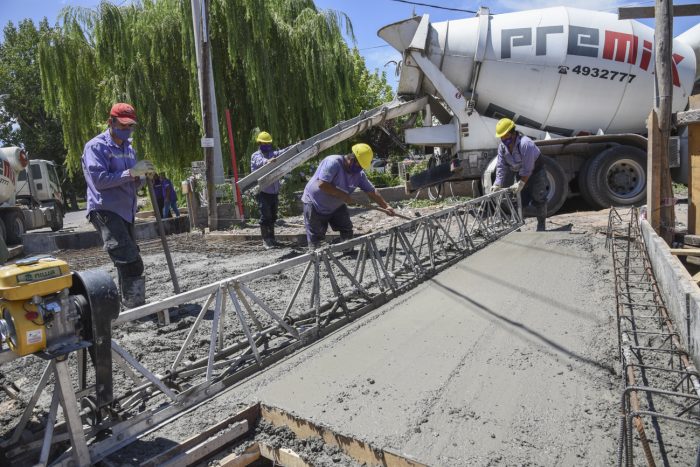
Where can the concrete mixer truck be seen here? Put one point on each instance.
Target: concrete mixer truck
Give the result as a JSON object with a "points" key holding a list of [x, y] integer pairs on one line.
{"points": [[579, 82], [37, 201]]}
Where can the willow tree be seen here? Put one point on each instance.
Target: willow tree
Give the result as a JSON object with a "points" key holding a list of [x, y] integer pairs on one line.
{"points": [[281, 65]]}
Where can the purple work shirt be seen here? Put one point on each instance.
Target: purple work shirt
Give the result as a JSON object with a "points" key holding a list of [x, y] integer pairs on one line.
{"points": [[332, 170], [168, 189], [521, 161], [109, 185], [257, 160]]}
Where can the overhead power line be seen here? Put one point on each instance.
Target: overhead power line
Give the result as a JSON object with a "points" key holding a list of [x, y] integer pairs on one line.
{"points": [[434, 6]]}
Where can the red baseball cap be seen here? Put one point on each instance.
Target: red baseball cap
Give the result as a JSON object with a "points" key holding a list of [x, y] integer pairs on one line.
{"points": [[124, 113]]}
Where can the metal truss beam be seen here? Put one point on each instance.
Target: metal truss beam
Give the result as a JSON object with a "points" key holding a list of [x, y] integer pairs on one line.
{"points": [[319, 292]]}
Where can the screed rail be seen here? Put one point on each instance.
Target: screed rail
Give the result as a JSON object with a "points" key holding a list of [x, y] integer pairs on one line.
{"points": [[660, 385], [316, 293]]}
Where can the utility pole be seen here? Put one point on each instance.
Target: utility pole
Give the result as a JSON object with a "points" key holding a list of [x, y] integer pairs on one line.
{"points": [[663, 47], [660, 200], [200, 14]]}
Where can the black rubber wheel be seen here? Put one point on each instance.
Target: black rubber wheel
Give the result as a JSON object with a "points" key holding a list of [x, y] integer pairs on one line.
{"points": [[584, 184], [557, 188], [3, 231], [618, 177], [57, 223], [14, 227]]}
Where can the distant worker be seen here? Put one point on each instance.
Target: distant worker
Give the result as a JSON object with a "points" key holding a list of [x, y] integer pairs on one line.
{"points": [[519, 156], [268, 197], [327, 194], [169, 198], [158, 190], [113, 177]]}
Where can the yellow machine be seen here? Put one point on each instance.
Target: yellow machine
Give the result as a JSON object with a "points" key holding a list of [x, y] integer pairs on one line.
{"points": [[37, 315]]}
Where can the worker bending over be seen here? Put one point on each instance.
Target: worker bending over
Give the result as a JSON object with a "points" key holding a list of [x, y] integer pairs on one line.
{"points": [[327, 194], [268, 197], [518, 156], [113, 177]]}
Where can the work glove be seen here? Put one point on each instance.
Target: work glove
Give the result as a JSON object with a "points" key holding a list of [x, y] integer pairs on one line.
{"points": [[495, 188], [142, 168], [517, 187]]}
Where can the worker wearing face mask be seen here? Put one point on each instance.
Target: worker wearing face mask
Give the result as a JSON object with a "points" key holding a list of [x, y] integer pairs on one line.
{"points": [[519, 158], [268, 197], [113, 177], [327, 194]]}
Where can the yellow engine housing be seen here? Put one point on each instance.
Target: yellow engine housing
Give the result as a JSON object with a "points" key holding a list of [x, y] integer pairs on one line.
{"points": [[20, 282]]}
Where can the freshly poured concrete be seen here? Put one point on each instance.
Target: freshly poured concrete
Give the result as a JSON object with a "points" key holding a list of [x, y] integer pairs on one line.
{"points": [[509, 357]]}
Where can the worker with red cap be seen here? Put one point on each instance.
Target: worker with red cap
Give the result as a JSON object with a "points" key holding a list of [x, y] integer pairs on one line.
{"points": [[113, 177]]}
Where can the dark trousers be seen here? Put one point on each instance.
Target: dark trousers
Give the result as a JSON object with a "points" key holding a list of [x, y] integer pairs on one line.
{"points": [[535, 192], [267, 204], [119, 242], [317, 223]]}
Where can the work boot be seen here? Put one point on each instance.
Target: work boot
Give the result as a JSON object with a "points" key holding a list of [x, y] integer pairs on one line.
{"points": [[540, 224], [349, 250], [275, 243], [268, 241], [133, 291]]}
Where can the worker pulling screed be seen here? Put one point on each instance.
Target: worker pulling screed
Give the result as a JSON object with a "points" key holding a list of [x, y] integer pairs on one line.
{"points": [[519, 156], [113, 177], [268, 197], [327, 194]]}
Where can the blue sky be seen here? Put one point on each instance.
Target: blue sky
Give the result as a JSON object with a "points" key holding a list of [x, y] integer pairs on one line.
{"points": [[367, 16]]}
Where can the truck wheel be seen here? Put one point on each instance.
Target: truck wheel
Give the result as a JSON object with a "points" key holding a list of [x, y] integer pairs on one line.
{"points": [[584, 184], [57, 223], [14, 225], [557, 188], [618, 177], [3, 231]]}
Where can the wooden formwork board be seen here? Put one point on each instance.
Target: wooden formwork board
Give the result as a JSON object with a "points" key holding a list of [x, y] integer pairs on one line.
{"points": [[228, 433]]}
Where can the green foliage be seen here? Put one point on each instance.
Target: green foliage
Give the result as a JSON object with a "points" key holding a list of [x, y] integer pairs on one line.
{"points": [[679, 189], [383, 179], [371, 88], [424, 203], [418, 167], [23, 120], [279, 65]]}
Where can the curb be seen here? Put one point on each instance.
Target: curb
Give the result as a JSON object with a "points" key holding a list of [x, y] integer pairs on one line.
{"points": [[47, 242]]}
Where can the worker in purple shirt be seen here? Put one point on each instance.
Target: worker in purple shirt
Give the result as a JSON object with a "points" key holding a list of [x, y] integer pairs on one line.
{"points": [[113, 177], [519, 156], [169, 198], [327, 194], [268, 197]]}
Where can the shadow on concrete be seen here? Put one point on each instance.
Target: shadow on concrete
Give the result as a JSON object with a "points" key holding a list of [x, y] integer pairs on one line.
{"points": [[543, 298], [546, 340], [563, 228]]}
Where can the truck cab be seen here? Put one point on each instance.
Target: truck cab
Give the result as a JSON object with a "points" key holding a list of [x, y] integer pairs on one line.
{"points": [[46, 183]]}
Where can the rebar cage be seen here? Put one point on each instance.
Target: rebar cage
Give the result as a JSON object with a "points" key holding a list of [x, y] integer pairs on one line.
{"points": [[660, 385]]}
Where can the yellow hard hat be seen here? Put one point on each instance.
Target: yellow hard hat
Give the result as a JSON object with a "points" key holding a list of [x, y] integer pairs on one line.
{"points": [[363, 154], [264, 137], [504, 126]]}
